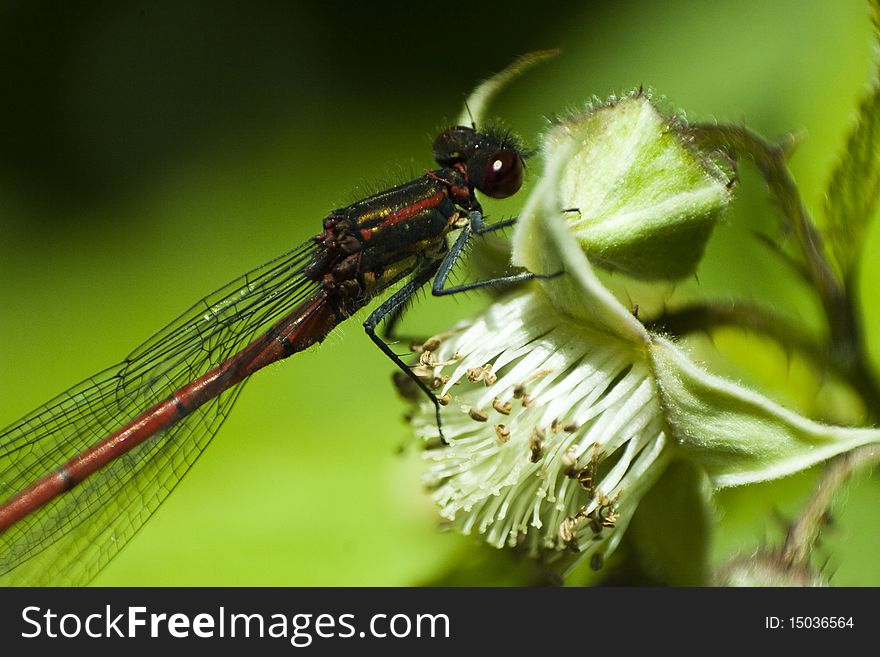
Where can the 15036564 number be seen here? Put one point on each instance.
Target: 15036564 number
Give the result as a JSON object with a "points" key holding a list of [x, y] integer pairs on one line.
{"points": [[820, 622]]}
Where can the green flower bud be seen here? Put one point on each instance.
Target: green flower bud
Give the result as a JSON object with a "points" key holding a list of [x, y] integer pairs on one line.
{"points": [[641, 199]]}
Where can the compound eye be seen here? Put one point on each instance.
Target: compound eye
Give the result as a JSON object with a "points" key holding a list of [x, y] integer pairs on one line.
{"points": [[502, 175]]}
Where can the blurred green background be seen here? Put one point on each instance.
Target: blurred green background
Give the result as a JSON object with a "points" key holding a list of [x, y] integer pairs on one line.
{"points": [[152, 151]]}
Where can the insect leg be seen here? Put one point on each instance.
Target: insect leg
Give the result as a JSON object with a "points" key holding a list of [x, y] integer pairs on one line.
{"points": [[476, 227], [391, 308]]}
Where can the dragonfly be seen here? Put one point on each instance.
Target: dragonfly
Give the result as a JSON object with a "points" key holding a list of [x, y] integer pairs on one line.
{"points": [[122, 439]]}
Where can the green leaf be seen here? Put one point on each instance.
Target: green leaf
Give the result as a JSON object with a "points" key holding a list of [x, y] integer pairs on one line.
{"points": [[854, 189]]}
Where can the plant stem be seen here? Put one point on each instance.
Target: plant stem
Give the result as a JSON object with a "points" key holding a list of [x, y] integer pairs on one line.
{"points": [[847, 342], [803, 533]]}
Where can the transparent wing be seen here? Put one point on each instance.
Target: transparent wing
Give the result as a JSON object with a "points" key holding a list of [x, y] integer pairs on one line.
{"points": [[69, 540]]}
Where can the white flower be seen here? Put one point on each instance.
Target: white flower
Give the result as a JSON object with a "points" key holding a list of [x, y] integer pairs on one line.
{"points": [[554, 430]]}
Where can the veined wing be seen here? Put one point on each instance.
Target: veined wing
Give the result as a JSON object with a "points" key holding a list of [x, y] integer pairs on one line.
{"points": [[70, 539]]}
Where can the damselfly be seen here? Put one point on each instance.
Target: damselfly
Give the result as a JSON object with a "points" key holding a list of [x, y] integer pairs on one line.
{"points": [[123, 434]]}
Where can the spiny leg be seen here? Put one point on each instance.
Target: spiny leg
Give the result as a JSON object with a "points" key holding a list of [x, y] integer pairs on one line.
{"points": [[476, 227], [391, 308]]}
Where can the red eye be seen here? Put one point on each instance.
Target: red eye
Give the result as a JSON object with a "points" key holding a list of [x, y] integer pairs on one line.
{"points": [[499, 175]]}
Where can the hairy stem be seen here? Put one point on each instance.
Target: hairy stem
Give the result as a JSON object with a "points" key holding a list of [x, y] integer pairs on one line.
{"points": [[803, 533]]}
